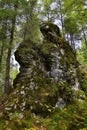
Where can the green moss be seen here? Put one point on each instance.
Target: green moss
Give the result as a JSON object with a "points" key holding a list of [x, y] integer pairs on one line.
{"points": [[72, 117], [1, 124], [47, 48], [16, 123], [83, 78]]}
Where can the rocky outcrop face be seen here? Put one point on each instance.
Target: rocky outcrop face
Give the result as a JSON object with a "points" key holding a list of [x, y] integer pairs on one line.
{"points": [[48, 74]]}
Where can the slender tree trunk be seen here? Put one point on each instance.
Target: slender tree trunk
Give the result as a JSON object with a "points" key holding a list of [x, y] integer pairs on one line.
{"points": [[67, 37], [61, 15], [72, 42], [24, 35], [3, 37], [84, 36], [1, 54], [7, 85]]}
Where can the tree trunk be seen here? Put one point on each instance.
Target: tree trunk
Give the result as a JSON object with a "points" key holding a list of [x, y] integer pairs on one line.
{"points": [[1, 54], [7, 85], [72, 42], [61, 15], [3, 40], [84, 36]]}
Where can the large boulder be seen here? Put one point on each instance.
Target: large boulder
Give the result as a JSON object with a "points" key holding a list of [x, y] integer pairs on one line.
{"points": [[48, 75]]}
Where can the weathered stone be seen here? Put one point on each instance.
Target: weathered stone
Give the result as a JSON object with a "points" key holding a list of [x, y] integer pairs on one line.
{"points": [[60, 104]]}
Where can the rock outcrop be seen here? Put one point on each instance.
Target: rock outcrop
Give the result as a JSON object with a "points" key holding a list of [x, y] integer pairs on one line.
{"points": [[48, 75]]}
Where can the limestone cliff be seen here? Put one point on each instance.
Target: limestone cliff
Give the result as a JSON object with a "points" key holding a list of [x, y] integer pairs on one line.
{"points": [[48, 75]]}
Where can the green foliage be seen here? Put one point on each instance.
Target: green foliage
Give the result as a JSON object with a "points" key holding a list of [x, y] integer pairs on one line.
{"points": [[1, 124], [19, 122], [70, 24], [13, 73], [82, 58], [83, 78], [46, 14], [68, 119], [82, 55], [72, 117]]}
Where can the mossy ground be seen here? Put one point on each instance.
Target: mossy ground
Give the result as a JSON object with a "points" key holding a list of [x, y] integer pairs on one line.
{"points": [[72, 117]]}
